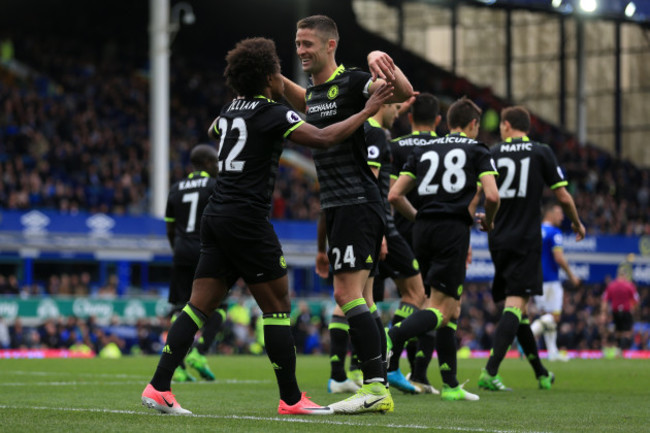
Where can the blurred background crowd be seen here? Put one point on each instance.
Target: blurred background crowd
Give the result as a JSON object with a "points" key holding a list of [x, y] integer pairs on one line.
{"points": [[581, 326], [76, 138]]}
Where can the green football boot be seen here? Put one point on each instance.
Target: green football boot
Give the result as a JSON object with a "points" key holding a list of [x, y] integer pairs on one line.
{"points": [[181, 375], [491, 383], [198, 362], [456, 394], [545, 382]]}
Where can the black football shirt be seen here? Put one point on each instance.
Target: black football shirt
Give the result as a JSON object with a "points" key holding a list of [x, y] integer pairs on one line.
{"points": [[447, 171], [252, 132], [185, 204], [343, 172], [401, 148], [525, 168], [379, 156]]}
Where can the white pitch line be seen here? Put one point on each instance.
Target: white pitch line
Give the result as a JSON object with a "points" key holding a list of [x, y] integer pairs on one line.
{"points": [[67, 373], [77, 383], [73, 383], [274, 419]]}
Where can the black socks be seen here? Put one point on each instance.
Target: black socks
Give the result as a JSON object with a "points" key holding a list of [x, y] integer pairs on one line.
{"points": [[503, 338], [179, 341]]}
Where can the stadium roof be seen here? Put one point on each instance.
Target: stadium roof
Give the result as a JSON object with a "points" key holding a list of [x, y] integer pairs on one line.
{"points": [[619, 10]]}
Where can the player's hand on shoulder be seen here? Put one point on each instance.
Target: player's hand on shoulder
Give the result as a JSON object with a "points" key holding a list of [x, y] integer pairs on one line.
{"points": [[404, 106], [381, 65]]}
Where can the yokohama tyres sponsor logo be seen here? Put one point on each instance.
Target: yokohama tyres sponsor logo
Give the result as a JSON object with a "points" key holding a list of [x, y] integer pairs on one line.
{"points": [[321, 107]]}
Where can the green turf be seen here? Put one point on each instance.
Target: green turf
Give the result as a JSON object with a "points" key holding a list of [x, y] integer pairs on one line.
{"points": [[99, 395]]}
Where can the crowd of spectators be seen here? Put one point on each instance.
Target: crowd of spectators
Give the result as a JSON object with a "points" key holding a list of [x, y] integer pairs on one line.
{"points": [[78, 137], [79, 334], [581, 326], [74, 135], [64, 284]]}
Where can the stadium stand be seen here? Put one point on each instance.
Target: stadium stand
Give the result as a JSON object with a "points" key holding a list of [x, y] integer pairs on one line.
{"points": [[74, 137]]}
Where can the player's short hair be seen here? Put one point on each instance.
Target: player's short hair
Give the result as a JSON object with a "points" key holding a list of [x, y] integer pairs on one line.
{"points": [[425, 109], [249, 64], [549, 206], [202, 155], [462, 112], [322, 24], [518, 117]]}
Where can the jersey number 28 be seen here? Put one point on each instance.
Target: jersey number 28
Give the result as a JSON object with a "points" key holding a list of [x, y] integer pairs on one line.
{"points": [[453, 178]]}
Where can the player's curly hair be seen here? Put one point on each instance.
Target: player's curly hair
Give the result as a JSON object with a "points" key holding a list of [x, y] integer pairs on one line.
{"points": [[249, 64]]}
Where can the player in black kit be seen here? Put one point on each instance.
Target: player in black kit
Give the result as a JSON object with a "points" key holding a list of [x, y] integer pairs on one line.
{"points": [[525, 168], [444, 174], [185, 203], [424, 117], [349, 193], [237, 239], [400, 263]]}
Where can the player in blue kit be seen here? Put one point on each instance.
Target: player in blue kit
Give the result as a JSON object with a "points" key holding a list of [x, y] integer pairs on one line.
{"points": [[549, 304]]}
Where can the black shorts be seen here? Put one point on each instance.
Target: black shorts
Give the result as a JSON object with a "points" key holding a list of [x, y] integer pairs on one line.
{"points": [[405, 228], [180, 287], [623, 321], [235, 246], [517, 273], [354, 235], [441, 246], [400, 261]]}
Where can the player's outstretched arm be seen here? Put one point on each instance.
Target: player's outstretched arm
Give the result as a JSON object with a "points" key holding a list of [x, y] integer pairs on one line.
{"points": [[383, 69], [397, 196], [568, 205], [311, 136], [295, 94], [406, 105]]}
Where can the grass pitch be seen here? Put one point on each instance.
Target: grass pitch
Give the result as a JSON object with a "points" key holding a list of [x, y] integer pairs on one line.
{"points": [[100, 395]]}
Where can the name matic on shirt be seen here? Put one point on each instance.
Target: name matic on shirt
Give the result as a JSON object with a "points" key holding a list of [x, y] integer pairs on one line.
{"points": [[516, 147]]}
